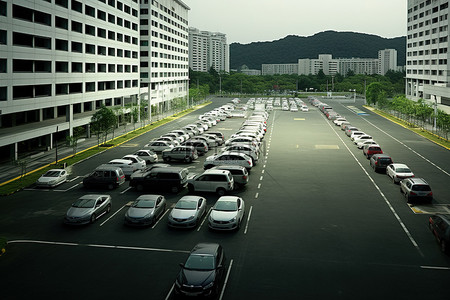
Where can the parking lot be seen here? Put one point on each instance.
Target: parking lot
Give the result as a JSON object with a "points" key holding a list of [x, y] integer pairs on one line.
{"points": [[318, 222]]}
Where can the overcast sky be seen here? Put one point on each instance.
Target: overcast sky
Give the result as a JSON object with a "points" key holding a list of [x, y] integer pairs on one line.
{"points": [[246, 21]]}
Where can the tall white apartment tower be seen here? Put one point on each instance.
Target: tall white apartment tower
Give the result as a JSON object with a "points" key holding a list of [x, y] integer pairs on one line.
{"points": [[387, 60], [60, 60], [164, 52], [208, 49], [427, 59]]}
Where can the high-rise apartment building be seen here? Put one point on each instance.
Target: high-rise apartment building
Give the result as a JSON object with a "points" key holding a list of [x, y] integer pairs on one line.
{"points": [[332, 66], [272, 69], [208, 49], [60, 60], [164, 39], [428, 55], [387, 60]]}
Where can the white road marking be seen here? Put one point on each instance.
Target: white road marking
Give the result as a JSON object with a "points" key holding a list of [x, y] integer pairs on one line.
{"points": [[125, 190], [96, 246], [170, 292], [73, 179], [156, 223], [248, 219], [262, 171], [113, 215], [261, 178], [204, 219], [259, 186], [435, 268], [226, 280], [256, 196], [381, 193]]}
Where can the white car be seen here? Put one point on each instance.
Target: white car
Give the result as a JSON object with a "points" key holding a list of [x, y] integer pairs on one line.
{"points": [[169, 139], [361, 138], [126, 165], [361, 144], [227, 213], [188, 212], [356, 133], [243, 139], [294, 108], [229, 158], [52, 178], [246, 149], [147, 155], [304, 108], [398, 172], [179, 138], [339, 121], [138, 162], [158, 146]]}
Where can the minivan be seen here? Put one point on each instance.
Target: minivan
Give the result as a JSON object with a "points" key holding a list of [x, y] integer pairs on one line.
{"points": [[168, 178], [105, 176]]}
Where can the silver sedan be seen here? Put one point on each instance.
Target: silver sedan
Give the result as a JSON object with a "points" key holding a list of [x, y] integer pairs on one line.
{"points": [[87, 209], [227, 213], [398, 172], [187, 212], [145, 210], [52, 178]]}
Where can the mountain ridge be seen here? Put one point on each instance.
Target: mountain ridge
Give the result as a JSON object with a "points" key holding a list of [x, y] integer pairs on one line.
{"points": [[340, 44]]}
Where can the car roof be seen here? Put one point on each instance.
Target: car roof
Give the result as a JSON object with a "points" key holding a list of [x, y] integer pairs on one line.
{"points": [[381, 155], [148, 197], [205, 248], [418, 181], [108, 167], [119, 160], [228, 167], [93, 196], [399, 165], [215, 171]]}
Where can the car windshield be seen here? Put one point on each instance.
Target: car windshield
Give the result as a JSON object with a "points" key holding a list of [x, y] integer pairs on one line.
{"points": [[421, 187], [225, 206], [52, 174], [84, 203], [403, 170], [200, 262], [144, 203], [186, 204]]}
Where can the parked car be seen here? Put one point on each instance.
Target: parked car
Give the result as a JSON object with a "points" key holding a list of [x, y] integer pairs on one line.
{"points": [[304, 108], [339, 121], [440, 227], [244, 148], [219, 135], [145, 210], [126, 165], [370, 149], [203, 272], [361, 144], [380, 162], [350, 129], [109, 176], [199, 145], [398, 172], [239, 173], [361, 138], [192, 129], [184, 153], [227, 213], [188, 212], [228, 158], [168, 178], [158, 146], [179, 138], [210, 140], [171, 140], [87, 209], [356, 133], [416, 189], [216, 181], [183, 133], [137, 162], [218, 140], [52, 178], [147, 155], [243, 140]]}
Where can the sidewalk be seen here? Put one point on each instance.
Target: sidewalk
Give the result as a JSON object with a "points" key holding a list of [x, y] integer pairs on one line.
{"points": [[9, 171]]}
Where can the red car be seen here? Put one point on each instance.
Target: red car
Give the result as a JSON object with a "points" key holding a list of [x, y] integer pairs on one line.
{"points": [[371, 149]]}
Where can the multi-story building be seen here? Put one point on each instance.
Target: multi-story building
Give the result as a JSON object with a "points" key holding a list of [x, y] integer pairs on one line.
{"points": [[164, 39], [332, 66], [272, 69], [428, 54], [60, 61], [208, 49], [387, 60]]}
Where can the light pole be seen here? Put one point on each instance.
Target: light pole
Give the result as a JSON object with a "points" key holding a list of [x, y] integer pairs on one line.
{"points": [[220, 85], [354, 94]]}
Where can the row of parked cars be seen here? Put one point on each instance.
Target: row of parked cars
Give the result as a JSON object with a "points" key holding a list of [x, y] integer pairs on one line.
{"points": [[414, 189]]}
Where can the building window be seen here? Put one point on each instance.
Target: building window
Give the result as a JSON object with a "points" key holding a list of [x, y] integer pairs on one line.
{"points": [[42, 18], [75, 88], [77, 27], [77, 47], [111, 51], [111, 19], [101, 50], [61, 45], [62, 67], [2, 8], [3, 93], [88, 29], [111, 35], [63, 3], [101, 32], [77, 67], [62, 89], [90, 86], [61, 23], [90, 48], [77, 6], [101, 15], [119, 52], [101, 68], [3, 36], [111, 68], [89, 10], [3, 68], [90, 68]]}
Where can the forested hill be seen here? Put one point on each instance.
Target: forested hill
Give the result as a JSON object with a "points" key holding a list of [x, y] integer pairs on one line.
{"points": [[291, 48]]}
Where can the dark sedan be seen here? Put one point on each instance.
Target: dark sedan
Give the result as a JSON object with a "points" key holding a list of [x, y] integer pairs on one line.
{"points": [[440, 227]]}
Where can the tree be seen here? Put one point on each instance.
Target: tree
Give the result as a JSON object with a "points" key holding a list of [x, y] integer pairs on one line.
{"points": [[373, 91], [102, 122], [72, 141]]}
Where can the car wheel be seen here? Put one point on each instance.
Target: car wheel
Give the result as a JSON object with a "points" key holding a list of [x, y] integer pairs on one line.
{"points": [[174, 189], [108, 208], [93, 217], [110, 186], [191, 188], [140, 187], [444, 247], [188, 159], [221, 192], [166, 159]]}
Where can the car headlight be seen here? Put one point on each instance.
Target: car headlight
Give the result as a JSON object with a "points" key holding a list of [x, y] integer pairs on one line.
{"points": [[233, 220], [149, 216], [209, 285], [190, 218]]}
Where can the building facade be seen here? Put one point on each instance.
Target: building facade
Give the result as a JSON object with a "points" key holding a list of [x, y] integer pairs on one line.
{"points": [[387, 60], [164, 39], [208, 49], [61, 60], [428, 55], [273, 69], [332, 66]]}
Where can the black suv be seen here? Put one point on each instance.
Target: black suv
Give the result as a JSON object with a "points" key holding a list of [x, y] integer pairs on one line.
{"points": [[203, 272], [167, 178], [380, 162]]}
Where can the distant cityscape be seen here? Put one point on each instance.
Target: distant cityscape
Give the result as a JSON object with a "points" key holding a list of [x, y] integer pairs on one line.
{"points": [[61, 60]]}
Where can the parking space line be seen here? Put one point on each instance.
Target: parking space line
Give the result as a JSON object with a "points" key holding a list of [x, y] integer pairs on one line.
{"points": [[380, 192], [170, 292], [156, 223], [113, 215], [435, 268], [226, 280], [259, 186], [248, 219], [204, 219], [125, 190], [256, 196]]}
